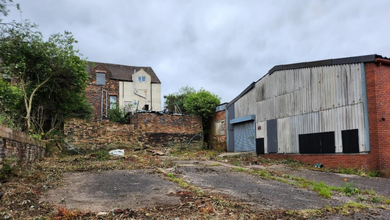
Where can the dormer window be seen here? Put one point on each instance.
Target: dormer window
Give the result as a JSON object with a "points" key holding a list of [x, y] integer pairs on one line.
{"points": [[100, 79], [141, 79]]}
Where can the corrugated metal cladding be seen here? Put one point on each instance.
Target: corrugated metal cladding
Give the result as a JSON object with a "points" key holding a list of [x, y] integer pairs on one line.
{"points": [[244, 137], [307, 101]]}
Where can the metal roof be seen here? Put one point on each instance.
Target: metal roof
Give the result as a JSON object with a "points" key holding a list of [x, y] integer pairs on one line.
{"points": [[329, 62]]}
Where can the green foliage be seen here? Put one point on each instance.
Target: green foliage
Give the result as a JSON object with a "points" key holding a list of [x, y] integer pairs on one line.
{"points": [[177, 99], [7, 170], [322, 189], [375, 199], [117, 115], [202, 103], [10, 100], [3, 7], [102, 155], [349, 189], [373, 173], [50, 75]]}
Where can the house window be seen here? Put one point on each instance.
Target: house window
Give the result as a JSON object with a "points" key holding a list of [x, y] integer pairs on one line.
{"points": [[141, 79], [100, 79], [113, 101]]}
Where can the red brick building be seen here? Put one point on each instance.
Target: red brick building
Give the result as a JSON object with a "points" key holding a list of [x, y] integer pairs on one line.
{"points": [[334, 112]]}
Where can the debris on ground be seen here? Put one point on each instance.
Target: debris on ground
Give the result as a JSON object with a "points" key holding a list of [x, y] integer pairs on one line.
{"points": [[156, 152], [117, 152]]}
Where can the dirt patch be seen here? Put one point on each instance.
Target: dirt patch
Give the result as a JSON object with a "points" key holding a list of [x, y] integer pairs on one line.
{"points": [[261, 193], [103, 191]]}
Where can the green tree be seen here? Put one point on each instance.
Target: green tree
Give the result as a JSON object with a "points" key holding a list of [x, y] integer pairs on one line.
{"points": [[176, 100], [49, 73], [203, 104]]}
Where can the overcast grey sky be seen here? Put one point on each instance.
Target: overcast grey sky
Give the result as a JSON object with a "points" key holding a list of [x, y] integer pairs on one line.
{"points": [[221, 46]]}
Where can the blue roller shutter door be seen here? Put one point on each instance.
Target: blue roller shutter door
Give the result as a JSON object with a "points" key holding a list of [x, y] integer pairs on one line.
{"points": [[245, 137]]}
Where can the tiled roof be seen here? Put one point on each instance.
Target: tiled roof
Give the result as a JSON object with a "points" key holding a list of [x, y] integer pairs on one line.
{"points": [[123, 72]]}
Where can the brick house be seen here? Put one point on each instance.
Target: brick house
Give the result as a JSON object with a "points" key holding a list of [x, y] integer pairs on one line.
{"points": [[129, 86], [334, 112]]}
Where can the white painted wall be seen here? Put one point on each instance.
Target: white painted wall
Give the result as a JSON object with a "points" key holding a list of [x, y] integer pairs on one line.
{"points": [[141, 92]]}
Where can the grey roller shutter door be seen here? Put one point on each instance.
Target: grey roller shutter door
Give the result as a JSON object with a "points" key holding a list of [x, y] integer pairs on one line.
{"points": [[245, 137]]}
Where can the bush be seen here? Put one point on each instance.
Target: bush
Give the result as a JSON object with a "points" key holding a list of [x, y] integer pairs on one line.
{"points": [[117, 115], [6, 171]]}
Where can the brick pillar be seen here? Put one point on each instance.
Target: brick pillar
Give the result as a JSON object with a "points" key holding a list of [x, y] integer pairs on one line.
{"points": [[378, 95]]}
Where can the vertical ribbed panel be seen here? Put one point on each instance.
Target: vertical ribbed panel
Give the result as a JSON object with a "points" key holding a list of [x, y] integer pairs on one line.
{"points": [[245, 137]]}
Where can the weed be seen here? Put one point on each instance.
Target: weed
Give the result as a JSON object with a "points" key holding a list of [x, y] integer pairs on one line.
{"points": [[375, 199], [236, 163], [264, 173], [322, 189], [369, 192], [349, 189], [239, 169], [387, 201], [373, 173], [361, 198], [170, 175], [102, 155]]}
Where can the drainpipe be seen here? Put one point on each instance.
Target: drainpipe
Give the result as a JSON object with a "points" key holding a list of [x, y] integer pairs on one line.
{"points": [[151, 96], [101, 105]]}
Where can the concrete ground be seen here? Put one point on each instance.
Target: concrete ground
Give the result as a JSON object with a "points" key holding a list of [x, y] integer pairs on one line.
{"points": [[119, 189]]}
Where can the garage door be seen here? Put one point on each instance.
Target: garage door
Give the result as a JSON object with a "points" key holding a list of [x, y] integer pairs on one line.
{"points": [[245, 137]]}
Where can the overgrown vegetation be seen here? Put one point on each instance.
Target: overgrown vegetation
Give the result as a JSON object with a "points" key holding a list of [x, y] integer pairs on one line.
{"points": [[117, 115], [42, 81], [7, 170], [189, 101]]}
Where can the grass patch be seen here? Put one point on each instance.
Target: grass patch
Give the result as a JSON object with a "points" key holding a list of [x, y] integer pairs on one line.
{"points": [[102, 155], [322, 189]]}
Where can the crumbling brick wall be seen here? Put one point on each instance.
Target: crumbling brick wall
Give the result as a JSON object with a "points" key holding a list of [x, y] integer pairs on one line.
{"points": [[18, 145], [146, 129], [217, 137]]}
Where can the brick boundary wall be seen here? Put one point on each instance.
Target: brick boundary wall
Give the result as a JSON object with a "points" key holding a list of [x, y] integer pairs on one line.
{"points": [[16, 144], [145, 129]]}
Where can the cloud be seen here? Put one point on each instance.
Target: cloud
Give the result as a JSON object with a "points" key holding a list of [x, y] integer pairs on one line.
{"points": [[221, 46]]}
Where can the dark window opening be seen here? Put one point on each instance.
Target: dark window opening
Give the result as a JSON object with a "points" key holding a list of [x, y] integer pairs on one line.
{"points": [[317, 143], [350, 141], [100, 79]]}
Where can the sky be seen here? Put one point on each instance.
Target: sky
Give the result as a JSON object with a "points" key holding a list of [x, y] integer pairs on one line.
{"points": [[220, 46]]}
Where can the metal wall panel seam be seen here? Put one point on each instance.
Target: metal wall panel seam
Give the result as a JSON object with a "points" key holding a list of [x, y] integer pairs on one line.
{"points": [[365, 108]]}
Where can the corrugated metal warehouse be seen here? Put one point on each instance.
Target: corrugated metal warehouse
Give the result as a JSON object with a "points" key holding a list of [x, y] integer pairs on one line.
{"points": [[329, 111]]}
